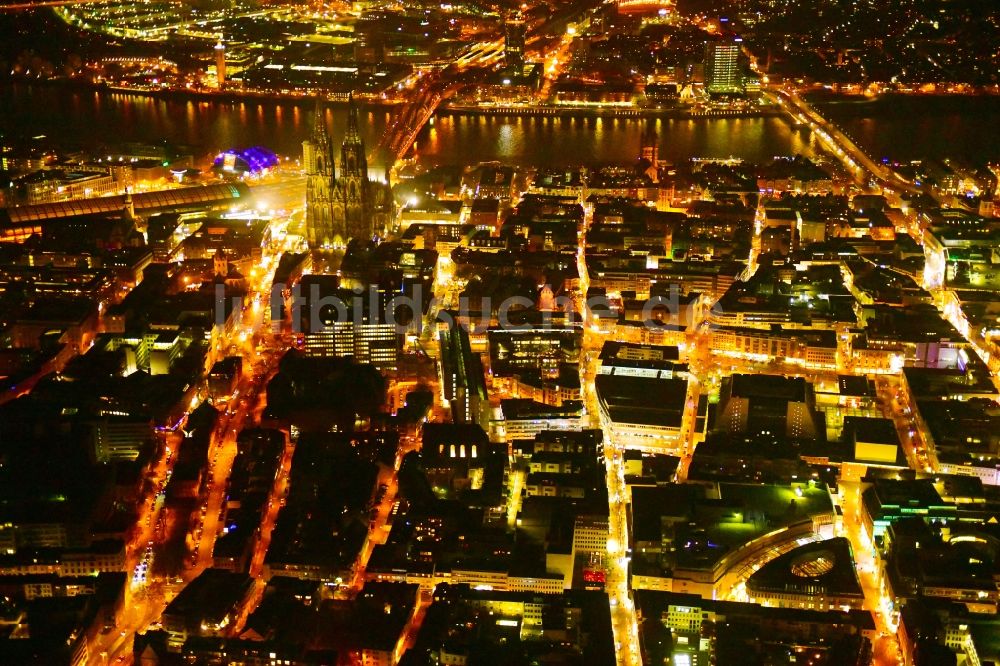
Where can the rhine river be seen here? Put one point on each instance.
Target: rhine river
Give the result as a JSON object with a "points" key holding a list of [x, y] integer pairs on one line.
{"points": [[903, 128]]}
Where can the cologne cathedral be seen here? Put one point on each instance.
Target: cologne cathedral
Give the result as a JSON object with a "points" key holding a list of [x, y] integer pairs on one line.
{"points": [[351, 206]]}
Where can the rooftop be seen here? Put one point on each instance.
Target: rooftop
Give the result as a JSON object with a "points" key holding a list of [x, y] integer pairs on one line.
{"points": [[871, 430], [210, 596], [824, 567], [793, 389], [644, 400], [146, 202]]}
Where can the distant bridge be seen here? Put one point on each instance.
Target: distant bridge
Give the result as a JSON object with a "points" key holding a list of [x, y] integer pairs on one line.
{"points": [[49, 3], [440, 85], [856, 159], [411, 117]]}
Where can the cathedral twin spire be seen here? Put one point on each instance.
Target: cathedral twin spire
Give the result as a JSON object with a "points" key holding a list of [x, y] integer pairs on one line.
{"points": [[345, 205], [319, 120], [353, 162], [353, 134], [352, 155], [321, 144]]}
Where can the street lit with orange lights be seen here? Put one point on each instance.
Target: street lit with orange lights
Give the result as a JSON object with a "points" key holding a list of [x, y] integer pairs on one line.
{"points": [[604, 331], [149, 592]]}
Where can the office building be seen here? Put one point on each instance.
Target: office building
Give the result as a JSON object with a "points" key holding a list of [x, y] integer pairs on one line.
{"points": [[827, 637], [207, 606], [641, 393], [463, 382], [338, 322], [513, 45], [769, 405], [722, 68], [120, 438], [590, 534], [807, 348], [815, 576], [523, 418]]}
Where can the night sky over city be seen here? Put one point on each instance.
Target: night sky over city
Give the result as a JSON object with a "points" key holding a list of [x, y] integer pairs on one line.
{"points": [[500, 333]]}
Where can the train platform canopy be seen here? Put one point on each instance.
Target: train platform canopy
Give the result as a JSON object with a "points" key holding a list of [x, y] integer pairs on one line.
{"points": [[145, 203]]}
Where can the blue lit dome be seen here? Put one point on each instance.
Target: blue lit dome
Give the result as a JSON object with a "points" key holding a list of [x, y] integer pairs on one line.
{"points": [[246, 160]]}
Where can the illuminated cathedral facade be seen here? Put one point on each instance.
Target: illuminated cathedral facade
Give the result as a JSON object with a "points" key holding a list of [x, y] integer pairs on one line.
{"points": [[350, 206]]}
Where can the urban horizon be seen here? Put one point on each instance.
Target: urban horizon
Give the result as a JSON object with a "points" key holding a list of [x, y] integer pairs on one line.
{"points": [[493, 333]]}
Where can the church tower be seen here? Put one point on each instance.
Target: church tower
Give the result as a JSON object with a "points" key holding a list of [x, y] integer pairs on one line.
{"points": [[317, 159], [352, 198], [649, 152], [352, 205], [221, 264], [129, 211]]}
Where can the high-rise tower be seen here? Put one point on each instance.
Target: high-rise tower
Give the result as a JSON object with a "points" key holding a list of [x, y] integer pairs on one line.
{"points": [[722, 67], [513, 45], [220, 64]]}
